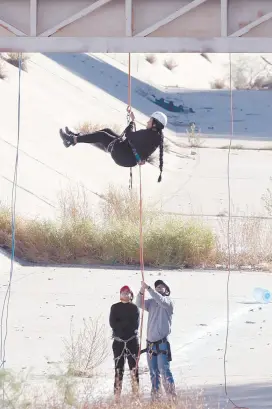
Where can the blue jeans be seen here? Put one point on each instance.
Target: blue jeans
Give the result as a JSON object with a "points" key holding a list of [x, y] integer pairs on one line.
{"points": [[159, 367]]}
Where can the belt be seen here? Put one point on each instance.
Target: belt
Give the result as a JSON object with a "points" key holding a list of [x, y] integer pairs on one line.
{"points": [[160, 341], [124, 340]]}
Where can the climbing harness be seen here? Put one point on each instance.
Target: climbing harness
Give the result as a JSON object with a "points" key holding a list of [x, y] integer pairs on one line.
{"points": [[126, 351], [123, 135], [157, 351]]}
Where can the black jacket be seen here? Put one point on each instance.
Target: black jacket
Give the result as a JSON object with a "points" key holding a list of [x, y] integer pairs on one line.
{"points": [[124, 320], [145, 141]]}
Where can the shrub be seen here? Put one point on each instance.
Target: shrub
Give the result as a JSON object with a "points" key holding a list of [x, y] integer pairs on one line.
{"points": [[111, 236], [87, 350], [89, 127], [249, 73], [14, 59], [151, 58], [218, 84], [2, 70], [170, 64]]}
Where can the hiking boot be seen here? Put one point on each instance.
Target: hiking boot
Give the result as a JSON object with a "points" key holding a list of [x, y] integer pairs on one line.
{"points": [[69, 132], [67, 140]]}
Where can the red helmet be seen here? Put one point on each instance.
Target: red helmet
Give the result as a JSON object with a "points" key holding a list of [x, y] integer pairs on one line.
{"points": [[127, 289]]}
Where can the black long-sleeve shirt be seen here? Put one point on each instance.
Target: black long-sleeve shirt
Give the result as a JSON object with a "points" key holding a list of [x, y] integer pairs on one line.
{"points": [[145, 141], [124, 320]]}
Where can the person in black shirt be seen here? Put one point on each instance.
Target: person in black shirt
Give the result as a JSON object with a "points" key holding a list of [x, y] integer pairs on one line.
{"points": [[124, 321], [135, 148]]}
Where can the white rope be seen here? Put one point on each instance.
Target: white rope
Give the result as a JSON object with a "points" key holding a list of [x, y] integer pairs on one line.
{"points": [[13, 215], [228, 233]]}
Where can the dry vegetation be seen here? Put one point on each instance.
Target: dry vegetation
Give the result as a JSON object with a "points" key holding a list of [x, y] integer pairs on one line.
{"points": [[87, 350], [151, 58], [170, 64], [112, 236], [89, 127], [218, 84], [2, 69], [195, 138], [250, 241], [66, 392], [247, 73], [73, 385], [14, 59]]}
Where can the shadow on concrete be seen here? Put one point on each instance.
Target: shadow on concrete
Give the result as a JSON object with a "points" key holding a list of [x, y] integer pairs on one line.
{"points": [[252, 109], [252, 302], [5, 252], [247, 395]]}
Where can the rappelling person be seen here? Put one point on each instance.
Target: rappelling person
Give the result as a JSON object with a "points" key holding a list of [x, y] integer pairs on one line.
{"points": [[130, 148], [160, 311], [124, 321]]}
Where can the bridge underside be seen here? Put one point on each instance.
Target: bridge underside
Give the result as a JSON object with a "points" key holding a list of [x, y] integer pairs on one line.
{"points": [[136, 25]]}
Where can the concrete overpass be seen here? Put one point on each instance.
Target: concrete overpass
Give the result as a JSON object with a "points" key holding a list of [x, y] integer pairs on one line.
{"points": [[136, 25]]}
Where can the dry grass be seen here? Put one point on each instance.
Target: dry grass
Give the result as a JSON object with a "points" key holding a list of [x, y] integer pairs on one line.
{"points": [[2, 70], [218, 84], [63, 392], [151, 58], [250, 241], [195, 138], [267, 200], [89, 127], [78, 236], [247, 73], [235, 147], [85, 352], [250, 73], [14, 59], [67, 396], [111, 235], [78, 388], [170, 64]]}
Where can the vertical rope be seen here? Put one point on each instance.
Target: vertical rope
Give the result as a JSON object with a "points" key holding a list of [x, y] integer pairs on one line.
{"points": [[129, 80], [141, 244], [13, 223], [228, 231], [129, 106], [141, 264]]}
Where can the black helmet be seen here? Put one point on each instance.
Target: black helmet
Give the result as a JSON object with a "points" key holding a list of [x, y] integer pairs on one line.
{"points": [[158, 282]]}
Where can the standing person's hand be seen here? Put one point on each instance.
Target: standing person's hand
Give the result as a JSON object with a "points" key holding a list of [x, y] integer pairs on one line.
{"points": [[144, 286]]}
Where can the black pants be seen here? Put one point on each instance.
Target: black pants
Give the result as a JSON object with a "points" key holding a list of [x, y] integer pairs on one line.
{"points": [[131, 353], [121, 153], [102, 138]]}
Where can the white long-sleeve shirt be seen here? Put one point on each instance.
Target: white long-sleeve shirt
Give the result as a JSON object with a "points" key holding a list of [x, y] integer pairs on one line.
{"points": [[160, 310]]}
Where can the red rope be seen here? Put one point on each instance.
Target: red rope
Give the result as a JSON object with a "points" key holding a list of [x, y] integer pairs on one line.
{"points": [[141, 265], [129, 108], [129, 81], [141, 244]]}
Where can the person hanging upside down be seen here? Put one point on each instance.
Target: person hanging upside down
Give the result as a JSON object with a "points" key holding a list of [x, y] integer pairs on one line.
{"points": [[130, 148], [124, 321], [160, 311]]}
